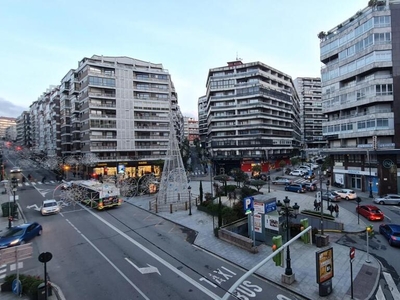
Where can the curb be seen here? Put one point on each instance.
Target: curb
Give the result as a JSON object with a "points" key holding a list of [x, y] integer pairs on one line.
{"points": [[57, 291]]}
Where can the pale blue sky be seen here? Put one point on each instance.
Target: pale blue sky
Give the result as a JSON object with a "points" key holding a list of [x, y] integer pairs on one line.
{"points": [[41, 40]]}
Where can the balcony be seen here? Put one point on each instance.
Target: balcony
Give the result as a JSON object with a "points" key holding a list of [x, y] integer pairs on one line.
{"points": [[102, 137], [102, 95], [95, 116]]}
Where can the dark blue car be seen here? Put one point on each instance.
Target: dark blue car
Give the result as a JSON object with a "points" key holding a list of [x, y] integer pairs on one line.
{"points": [[20, 235], [391, 232]]}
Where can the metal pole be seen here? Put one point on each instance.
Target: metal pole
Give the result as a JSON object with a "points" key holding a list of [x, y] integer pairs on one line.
{"points": [[351, 277], [322, 206], [367, 260], [288, 270], [370, 177], [45, 281], [190, 204], [358, 212], [254, 230], [269, 174]]}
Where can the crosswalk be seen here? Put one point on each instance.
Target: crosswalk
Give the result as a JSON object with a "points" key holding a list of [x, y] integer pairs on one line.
{"points": [[34, 183], [388, 290], [5, 269]]}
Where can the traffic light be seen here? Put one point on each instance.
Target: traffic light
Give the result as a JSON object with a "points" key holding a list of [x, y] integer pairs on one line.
{"points": [[305, 237], [276, 244], [370, 230]]}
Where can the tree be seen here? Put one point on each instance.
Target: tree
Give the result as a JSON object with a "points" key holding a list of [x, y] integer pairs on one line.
{"points": [[256, 169], [294, 161], [223, 179], [239, 175], [201, 192], [258, 184]]}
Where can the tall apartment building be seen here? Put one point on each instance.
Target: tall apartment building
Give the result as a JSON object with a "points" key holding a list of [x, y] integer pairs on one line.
{"points": [[252, 116], [119, 109], [202, 113], [191, 129], [311, 116], [360, 91], [5, 122], [24, 130]]}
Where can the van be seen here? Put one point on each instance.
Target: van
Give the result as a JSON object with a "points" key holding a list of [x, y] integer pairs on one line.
{"points": [[295, 187]]}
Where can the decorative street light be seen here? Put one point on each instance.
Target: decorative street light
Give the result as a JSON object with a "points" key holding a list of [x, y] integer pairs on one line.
{"points": [[289, 212], [358, 209], [370, 177], [14, 185], [190, 201]]}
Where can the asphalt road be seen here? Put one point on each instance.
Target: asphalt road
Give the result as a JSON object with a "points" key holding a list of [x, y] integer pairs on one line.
{"points": [[128, 253]]}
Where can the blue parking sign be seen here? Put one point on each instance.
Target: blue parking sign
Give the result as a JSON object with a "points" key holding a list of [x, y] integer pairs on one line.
{"points": [[248, 203]]}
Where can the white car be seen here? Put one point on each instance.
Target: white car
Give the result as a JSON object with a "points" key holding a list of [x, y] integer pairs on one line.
{"points": [[49, 207], [347, 194], [16, 170], [391, 199], [297, 173]]}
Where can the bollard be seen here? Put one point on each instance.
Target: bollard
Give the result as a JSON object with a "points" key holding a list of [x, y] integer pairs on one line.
{"points": [[156, 208], [149, 205], [170, 208]]}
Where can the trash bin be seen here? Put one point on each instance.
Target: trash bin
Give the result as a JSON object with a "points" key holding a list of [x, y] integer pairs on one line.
{"points": [[41, 291], [5, 209]]}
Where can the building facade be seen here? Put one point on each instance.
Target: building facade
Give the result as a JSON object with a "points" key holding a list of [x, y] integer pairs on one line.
{"points": [[191, 129], [360, 86], [311, 116], [6, 122], [252, 117], [24, 130]]}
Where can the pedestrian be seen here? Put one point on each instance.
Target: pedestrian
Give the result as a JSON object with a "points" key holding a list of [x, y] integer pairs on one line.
{"points": [[29, 177], [337, 210], [331, 209], [315, 204], [43, 179]]}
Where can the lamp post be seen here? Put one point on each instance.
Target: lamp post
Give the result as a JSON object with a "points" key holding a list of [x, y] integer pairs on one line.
{"points": [[190, 201], [289, 212], [370, 177], [11, 214], [268, 172], [358, 209]]}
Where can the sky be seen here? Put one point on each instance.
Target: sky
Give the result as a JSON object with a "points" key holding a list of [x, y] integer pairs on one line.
{"points": [[41, 40]]}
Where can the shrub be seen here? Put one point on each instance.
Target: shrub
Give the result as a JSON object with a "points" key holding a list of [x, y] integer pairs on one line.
{"points": [[29, 283]]}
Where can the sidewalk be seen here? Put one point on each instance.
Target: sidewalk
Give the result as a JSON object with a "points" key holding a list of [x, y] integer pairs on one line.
{"points": [[365, 275], [56, 294]]}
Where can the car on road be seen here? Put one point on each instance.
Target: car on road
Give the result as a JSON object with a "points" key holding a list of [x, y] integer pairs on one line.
{"points": [[371, 212], [347, 194], [19, 235], [16, 170], [297, 173], [391, 199], [310, 186], [49, 207], [284, 181], [391, 232], [298, 188], [332, 196]]}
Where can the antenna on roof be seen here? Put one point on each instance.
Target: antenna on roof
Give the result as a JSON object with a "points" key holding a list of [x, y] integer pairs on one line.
{"points": [[237, 57]]}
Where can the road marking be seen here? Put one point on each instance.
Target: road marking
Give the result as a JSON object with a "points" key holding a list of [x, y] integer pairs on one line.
{"points": [[391, 285], [388, 218], [110, 262], [379, 294], [155, 256], [144, 270], [13, 267]]}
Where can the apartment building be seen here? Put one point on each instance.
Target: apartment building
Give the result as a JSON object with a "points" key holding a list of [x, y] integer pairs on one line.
{"points": [[202, 113], [360, 86], [119, 109], [311, 116], [191, 129], [5, 122], [24, 130], [252, 117]]}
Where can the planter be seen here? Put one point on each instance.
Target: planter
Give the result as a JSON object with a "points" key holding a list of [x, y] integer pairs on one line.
{"points": [[6, 287]]}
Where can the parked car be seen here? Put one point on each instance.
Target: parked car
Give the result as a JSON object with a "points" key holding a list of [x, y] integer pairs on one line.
{"points": [[49, 207], [310, 186], [281, 181], [347, 194], [309, 177], [391, 232], [371, 212], [21, 234], [332, 196], [298, 188], [297, 173], [392, 199]]}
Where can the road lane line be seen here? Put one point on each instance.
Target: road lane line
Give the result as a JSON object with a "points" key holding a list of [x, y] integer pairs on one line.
{"points": [[155, 256], [391, 285], [379, 294], [110, 262]]}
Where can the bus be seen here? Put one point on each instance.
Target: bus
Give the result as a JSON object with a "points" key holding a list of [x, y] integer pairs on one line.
{"points": [[95, 194]]}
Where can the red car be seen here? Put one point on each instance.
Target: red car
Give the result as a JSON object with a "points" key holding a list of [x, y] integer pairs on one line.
{"points": [[371, 212]]}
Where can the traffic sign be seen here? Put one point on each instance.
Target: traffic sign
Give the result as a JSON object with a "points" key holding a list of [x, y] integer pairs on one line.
{"points": [[45, 257], [352, 252], [16, 287], [248, 203]]}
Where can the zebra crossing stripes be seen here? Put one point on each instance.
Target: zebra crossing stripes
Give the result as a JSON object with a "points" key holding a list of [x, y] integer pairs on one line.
{"points": [[36, 183]]}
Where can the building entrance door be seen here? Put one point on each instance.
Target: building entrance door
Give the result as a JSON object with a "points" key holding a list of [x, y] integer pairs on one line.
{"points": [[356, 182]]}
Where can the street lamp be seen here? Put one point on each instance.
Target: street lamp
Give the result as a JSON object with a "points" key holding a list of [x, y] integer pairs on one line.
{"points": [[268, 172], [14, 185], [358, 209], [190, 201], [289, 212]]}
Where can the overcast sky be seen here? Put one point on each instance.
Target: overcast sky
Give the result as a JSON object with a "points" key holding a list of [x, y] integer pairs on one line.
{"points": [[41, 40]]}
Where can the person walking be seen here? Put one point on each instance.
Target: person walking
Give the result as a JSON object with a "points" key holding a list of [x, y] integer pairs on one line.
{"points": [[331, 209], [337, 210], [315, 204]]}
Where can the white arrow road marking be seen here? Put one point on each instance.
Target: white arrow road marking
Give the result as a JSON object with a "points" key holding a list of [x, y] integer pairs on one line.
{"points": [[34, 206], [392, 286], [144, 270]]}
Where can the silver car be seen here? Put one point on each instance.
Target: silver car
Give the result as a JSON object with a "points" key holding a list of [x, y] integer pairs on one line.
{"points": [[392, 199], [49, 207], [347, 194]]}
